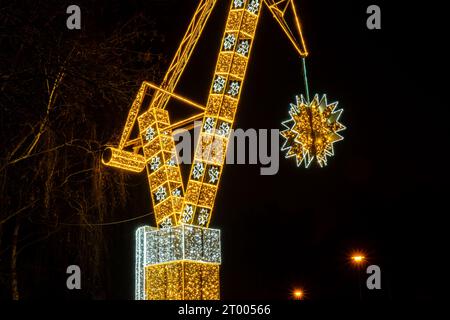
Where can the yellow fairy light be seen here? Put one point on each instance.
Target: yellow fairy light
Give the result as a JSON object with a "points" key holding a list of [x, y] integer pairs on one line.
{"points": [[311, 130], [182, 280], [176, 263], [123, 159]]}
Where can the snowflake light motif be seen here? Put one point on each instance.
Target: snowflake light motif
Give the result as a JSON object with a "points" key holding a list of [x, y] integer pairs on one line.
{"points": [[253, 6], [312, 130], [155, 163], [243, 47], [233, 90], [167, 223], [198, 170], [149, 134], [160, 193], [203, 217], [229, 41], [224, 129], [219, 84], [213, 174], [209, 125], [187, 214], [238, 3], [176, 192], [172, 161]]}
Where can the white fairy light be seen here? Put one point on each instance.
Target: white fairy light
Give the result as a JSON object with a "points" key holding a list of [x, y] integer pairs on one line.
{"points": [[161, 193], [233, 90], [176, 192], [243, 47], [140, 261], [198, 170], [229, 41], [155, 163], [223, 129], [209, 125], [203, 217], [213, 174], [171, 162], [219, 84], [187, 214], [253, 6], [238, 3], [167, 223], [149, 134]]}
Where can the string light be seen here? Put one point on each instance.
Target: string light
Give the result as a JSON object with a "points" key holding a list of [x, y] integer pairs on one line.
{"points": [[179, 262]]}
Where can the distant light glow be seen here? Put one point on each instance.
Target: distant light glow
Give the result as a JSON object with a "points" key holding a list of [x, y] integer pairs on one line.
{"points": [[358, 258], [298, 294]]}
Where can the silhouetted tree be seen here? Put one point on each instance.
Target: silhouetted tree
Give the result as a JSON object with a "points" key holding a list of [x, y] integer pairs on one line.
{"points": [[63, 96]]}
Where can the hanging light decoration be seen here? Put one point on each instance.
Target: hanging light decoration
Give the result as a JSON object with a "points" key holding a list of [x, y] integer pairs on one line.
{"points": [[311, 130]]}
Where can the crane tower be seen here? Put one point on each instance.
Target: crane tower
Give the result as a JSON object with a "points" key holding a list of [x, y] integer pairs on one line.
{"points": [[180, 257]]}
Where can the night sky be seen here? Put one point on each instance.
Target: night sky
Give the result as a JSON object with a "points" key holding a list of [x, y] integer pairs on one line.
{"points": [[378, 194], [382, 192]]}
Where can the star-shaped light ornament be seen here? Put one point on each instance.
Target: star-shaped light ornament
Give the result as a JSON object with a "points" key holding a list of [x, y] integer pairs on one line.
{"points": [[311, 130]]}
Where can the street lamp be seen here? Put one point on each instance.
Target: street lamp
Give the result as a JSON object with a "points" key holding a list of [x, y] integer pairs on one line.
{"points": [[298, 294], [358, 259]]}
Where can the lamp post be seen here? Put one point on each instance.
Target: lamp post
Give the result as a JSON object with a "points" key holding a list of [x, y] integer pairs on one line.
{"points": [[358, 259], [298, 294]]}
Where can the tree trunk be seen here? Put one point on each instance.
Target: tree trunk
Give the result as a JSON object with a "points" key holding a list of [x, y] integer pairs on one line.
{"points": [[14, 285]]}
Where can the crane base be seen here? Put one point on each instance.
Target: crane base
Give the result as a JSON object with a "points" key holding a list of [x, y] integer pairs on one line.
{"points": [[178, 263]]}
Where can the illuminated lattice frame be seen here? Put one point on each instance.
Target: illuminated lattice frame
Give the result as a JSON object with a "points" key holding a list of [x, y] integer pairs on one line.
{"points": [[163, 171], [140, 262], [186, 257], [221, 107]]}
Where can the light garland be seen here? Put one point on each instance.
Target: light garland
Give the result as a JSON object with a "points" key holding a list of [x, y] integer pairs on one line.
{"points": [[179, 262]]}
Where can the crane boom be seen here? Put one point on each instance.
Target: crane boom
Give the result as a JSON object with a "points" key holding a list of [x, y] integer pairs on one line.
{"points": [[172, 202]]}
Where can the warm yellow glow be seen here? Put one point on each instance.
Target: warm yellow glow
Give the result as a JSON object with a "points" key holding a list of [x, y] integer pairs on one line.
{"points": [[358, 259], [176, 96], [298, 294], [182, 280], [163, 170], [123, 160], [278, 9], [132, 115]]}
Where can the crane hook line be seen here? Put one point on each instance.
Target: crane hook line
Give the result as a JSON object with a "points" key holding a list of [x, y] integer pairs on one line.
{"points": [[305, 79]]}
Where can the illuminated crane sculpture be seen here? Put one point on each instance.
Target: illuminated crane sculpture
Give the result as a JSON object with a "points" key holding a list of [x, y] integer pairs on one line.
{"points": [[180, 258]]}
